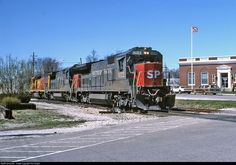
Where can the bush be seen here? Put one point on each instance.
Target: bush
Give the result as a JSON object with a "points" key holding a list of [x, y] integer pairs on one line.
{"points": [[24, 97], [3, 95], [9, 101]]}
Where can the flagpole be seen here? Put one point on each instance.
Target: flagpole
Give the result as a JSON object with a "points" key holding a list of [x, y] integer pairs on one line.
{"points": [[191, 57]]}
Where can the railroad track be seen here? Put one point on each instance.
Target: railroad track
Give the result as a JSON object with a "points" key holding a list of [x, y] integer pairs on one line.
{"points": [[205, 115], [197, 113], [103, 108], [107, 109], [85, 105]]}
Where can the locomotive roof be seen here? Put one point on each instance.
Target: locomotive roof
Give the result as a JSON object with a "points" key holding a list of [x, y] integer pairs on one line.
{"points": [[136, 49], [87, 66], [39, 75], [80, 68]]}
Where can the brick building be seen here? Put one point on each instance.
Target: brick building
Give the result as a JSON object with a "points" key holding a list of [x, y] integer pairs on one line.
{"points": [[208, 70]]}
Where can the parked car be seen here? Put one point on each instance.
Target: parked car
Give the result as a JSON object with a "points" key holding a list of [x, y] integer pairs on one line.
{"points": [[208, 89], [213, 89], [180, 89]]}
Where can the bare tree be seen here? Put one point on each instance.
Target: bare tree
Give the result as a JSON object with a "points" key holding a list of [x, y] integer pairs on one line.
{"points": [[174, 73], [15, 75], [24, 75], [47, 65], [93, 57], [8, 74]]}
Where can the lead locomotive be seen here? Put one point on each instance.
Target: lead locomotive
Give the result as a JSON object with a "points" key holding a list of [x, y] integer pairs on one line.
{"points": [[128, 80]]}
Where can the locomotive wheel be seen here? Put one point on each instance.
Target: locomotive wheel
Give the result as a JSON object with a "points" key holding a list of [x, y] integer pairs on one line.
{"points": [[134, 110], [162, 105], [50, 96], [66, 97], [143, 111], [40, 95]]}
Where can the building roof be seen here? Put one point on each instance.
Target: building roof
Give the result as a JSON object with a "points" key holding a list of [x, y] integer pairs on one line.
{"points": [[208, 60]]}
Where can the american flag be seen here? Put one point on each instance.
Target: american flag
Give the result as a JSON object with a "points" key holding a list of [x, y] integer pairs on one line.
{"points": [[194, 29]]}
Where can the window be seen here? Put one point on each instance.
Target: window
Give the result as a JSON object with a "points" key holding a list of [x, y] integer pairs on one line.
{"points": [[121, 64], [204, 78], [67, 74], [191, 78]]}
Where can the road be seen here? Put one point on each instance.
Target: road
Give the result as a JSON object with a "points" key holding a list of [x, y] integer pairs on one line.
{"points": [[170, 138]]}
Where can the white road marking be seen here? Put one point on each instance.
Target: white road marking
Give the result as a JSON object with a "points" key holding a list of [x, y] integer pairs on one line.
{"points": [[72, 149], [101, 138]]}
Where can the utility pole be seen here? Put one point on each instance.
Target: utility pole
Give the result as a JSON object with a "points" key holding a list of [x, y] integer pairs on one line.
{"points": [[80, 60], [33, 62]]}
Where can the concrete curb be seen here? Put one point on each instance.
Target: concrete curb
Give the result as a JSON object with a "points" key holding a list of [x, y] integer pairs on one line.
{"points": [[26, 134]]}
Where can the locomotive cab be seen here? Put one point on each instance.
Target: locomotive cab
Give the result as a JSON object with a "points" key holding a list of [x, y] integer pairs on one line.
{"points": [[150, 91]]}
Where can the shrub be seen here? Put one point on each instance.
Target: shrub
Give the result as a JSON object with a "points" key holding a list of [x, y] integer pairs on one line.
{"points": [[24, 97], [10, 101], [3, 95]]}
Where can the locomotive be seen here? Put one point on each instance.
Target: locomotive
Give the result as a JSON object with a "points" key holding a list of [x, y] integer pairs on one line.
{"points": [[128, 80]]}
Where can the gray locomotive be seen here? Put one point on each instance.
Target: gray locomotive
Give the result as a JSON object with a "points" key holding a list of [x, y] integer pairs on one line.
{"points": [[125, 81]]}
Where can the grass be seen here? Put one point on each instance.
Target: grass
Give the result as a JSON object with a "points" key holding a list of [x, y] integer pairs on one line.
{"points": [[39, 119], [204, 104]]}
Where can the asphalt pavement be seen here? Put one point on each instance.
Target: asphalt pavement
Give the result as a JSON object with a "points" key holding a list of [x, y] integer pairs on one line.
{"points": [[228, 111]]}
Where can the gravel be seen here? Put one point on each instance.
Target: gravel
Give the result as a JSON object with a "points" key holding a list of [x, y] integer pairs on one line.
{"points": [[91, 115]]}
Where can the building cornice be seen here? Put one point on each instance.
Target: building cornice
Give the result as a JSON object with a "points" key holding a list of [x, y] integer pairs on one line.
{"points": [[208, 60]]}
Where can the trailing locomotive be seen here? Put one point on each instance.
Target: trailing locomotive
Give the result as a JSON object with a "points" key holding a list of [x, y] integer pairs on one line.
{"points": [[37, 86], [132, 79]]}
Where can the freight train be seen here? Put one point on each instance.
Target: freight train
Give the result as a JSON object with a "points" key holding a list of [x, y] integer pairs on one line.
{"points": [[125, 81]]}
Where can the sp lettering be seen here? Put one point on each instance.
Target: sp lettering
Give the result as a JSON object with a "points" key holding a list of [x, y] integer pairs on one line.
{"points": [[152, 74]]}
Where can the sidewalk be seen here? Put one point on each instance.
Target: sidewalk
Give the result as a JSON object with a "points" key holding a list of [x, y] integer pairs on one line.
{"points": [[228, 111], [228, 94], [220, 94]]}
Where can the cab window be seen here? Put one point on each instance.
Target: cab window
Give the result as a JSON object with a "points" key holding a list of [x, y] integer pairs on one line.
{"points": [[121, 64]]}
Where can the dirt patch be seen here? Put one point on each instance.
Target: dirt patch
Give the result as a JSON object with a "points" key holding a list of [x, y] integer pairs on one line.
{"points": [[196, 110]]}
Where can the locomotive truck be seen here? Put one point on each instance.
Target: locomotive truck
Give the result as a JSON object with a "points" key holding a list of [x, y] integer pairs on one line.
{"points": [[125, 81]]}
